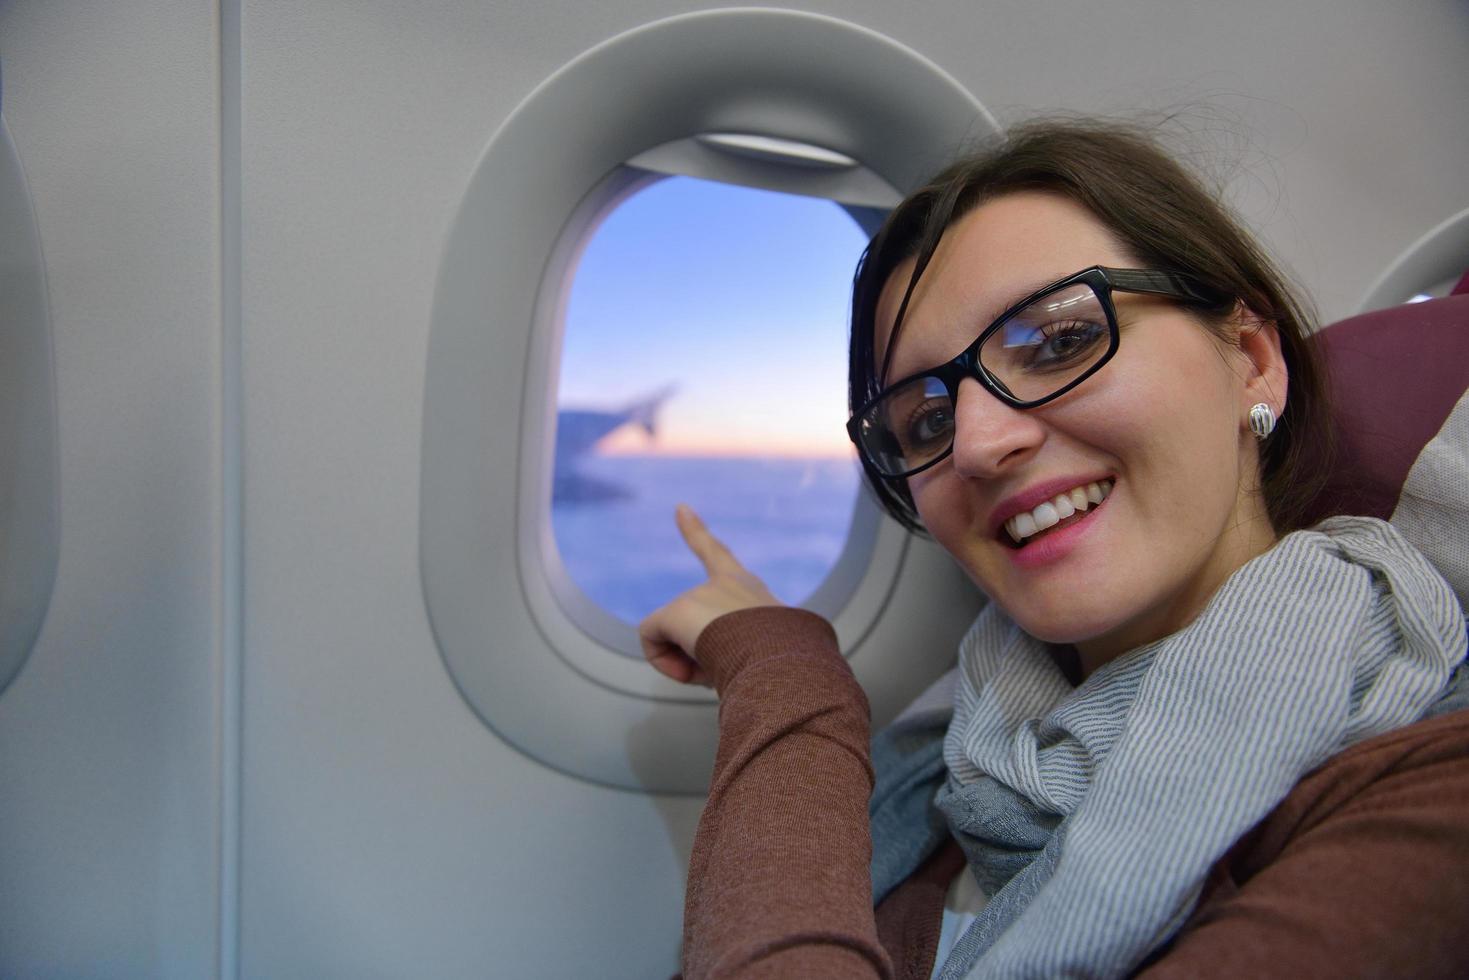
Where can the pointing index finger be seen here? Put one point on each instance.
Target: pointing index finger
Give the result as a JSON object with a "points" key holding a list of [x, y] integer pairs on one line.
{"points": [[710, 551]]}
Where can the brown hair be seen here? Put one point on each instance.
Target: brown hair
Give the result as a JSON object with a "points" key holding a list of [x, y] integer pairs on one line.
{"points": [[1168, 221]]}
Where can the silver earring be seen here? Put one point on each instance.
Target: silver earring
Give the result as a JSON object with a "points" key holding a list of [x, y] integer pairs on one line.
{"points": [[1262, 420]]}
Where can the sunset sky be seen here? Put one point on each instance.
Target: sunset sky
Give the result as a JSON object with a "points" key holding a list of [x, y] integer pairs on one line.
{"points": [[737, 297]]}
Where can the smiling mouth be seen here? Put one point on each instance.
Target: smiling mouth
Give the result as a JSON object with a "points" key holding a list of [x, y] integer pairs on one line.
{"points": [[1060, 511]]}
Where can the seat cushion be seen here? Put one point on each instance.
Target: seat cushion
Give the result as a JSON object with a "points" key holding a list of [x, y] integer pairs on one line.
{"points": [[1395, 376]]}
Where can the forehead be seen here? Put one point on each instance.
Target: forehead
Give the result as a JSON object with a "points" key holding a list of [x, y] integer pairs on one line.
{"points": [[996, 254]]}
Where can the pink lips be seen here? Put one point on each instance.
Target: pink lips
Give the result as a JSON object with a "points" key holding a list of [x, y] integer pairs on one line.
{"points": [[1056, 543], [1032, 497]]}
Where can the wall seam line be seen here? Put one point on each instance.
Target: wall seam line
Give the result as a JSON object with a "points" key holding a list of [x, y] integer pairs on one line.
{"points": [[231, 570]]}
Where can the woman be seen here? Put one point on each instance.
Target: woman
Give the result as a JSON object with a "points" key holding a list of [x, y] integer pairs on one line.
{"points": [[1186, 736]]}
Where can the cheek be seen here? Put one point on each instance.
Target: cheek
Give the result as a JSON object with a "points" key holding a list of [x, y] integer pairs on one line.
{"points": [[1177, 432], [945, 509]]}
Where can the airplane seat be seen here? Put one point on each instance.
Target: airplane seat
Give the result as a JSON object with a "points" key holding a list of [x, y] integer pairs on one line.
{"points": [[1397, 377]]}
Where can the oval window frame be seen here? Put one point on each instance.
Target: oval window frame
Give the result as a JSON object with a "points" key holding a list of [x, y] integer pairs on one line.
{"points": [[31, 532], [586, 710]]}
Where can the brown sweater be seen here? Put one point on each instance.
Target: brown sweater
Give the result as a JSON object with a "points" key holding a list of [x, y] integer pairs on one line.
{"points": [[1362, 871]]}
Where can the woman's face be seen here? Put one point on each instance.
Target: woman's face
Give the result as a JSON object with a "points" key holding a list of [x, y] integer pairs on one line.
{"points": [[1164, 423]]}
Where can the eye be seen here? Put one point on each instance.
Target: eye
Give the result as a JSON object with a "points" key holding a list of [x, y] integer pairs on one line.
{"points": [[928, 423], [1061, 344]]}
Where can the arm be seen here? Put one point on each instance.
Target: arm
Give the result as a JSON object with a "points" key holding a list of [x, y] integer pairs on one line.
{"points": [[1363, 871], [778, 882]]}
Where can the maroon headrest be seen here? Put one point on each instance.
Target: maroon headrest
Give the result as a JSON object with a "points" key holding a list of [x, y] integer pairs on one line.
{"points": [[1395, 376]]}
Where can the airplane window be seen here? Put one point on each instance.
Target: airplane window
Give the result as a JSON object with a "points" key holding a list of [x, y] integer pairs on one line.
{"points": [[703, 361], [585, 282]]}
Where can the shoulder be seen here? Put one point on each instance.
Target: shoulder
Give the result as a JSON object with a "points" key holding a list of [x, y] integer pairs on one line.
{"points": [[1363, 870], [1420, 769], [1433, 750]]}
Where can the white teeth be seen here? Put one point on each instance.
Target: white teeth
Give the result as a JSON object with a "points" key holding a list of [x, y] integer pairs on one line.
{"points": [[1054, 511]]}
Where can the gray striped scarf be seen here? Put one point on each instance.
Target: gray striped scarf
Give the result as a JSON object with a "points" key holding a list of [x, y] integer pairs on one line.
{"points": [[1092, 815]]}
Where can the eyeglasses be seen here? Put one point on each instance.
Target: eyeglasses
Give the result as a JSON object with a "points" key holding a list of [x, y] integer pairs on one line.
{"points": [[1035, 351]]}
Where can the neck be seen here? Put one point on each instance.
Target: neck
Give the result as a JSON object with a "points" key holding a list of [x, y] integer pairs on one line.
{"points": [[1251, 537]]}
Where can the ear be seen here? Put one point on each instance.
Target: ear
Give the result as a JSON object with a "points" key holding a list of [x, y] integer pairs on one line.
{"points": [[1266, 377]]}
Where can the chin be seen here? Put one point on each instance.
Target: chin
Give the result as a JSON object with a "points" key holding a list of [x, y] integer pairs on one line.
{"points": [[1063, 628], [1062, 636]]}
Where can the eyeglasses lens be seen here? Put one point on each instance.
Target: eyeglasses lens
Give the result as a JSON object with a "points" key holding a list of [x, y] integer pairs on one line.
{"points": [[911, 425], [1034, 353], [1048, 344]]}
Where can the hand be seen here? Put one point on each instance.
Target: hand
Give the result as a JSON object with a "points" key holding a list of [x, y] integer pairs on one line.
{"points": [[670, 634]]}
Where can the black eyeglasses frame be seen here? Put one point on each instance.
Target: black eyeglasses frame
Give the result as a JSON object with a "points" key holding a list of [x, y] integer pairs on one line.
{"points": [[1103, 281]]}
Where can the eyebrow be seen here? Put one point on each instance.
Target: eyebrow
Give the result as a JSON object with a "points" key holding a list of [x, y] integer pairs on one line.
{"points": [[1026, 289], [991, 314]]}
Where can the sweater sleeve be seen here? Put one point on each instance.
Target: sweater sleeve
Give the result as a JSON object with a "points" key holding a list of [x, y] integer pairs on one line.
{"points": [[1362, 872], [779, 884]]}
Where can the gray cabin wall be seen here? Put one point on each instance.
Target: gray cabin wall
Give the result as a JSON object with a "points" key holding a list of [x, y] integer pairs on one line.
{"points": [[383, 830], [109, 739]]}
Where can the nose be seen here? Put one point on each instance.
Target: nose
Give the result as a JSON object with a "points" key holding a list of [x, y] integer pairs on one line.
{"points": [[990, 437]]}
